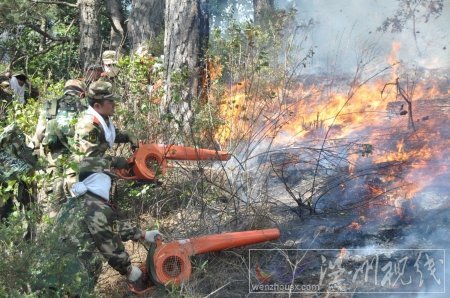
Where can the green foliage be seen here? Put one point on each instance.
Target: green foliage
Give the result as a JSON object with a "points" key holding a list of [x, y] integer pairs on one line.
{"points": [[28, 269], [60, 62], [245, 49], [156, 46], [224, 12], [25, 116], [139, 111], [38, 39]]}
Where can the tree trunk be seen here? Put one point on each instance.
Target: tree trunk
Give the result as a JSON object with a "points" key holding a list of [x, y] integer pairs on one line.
{"points": [[204, 29], [115, 14], [90, 42], [146, 22], [262, 9], [184, 38]]}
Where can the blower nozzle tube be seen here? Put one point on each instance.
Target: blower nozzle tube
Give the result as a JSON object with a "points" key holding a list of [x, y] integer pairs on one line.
{"points": [[204, 244]]}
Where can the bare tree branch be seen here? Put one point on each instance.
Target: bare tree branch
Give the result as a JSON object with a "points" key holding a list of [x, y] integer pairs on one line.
{"points": [[59, 42], [57, 3], [406, 97], [351, 93], [43, 33]]}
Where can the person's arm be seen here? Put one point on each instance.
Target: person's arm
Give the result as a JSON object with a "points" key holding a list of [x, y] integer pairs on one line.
{"points": [[123, 137], [128, 231]]}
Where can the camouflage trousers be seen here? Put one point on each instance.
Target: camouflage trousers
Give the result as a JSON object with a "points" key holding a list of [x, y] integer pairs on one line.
{"points": [[94, 228], [75, 263], [59, 179]]}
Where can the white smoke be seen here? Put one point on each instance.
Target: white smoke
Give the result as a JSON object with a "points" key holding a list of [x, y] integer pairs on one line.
{"points": [[341, 26]]}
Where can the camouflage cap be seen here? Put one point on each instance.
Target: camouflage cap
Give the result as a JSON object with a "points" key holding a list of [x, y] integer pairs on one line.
{"points": [[76, 85], [109, 57], [101, 90]]}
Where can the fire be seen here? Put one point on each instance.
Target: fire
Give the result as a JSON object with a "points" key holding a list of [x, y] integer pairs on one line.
{"points": [[231, 108], [317, 113], [354, 225], [376, 125], [392, 59]]}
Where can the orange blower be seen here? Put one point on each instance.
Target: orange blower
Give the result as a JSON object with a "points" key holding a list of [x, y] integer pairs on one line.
{"points": [[170, 264], [149, 160]]}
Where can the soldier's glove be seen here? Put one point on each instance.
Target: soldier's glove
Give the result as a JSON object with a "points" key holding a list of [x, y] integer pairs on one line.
{"points": [[119, 162], [150, 236], [136, 278], [134, 141]]}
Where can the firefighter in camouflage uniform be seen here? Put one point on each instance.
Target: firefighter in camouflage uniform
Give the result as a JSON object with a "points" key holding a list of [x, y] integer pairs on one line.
{"points": [[111, 70], [88, 225], [54, 136], [110, 61], [99, 224], [94, 132]]}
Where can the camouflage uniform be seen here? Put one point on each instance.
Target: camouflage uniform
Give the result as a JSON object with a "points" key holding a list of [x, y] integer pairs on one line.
{"points": [[5, 96], [16, 163], [90, 143], [54, 137], [91, 226], [86, 231], [106, 232], [90, 139], [5, 92]]}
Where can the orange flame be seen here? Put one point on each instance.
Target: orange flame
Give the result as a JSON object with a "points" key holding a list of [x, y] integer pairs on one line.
{"points": [[392, 59], [367, 116], [354, 225], [232, 107]]}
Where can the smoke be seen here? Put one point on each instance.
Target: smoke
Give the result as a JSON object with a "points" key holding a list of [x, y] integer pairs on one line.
{"points": [[341, 27]]}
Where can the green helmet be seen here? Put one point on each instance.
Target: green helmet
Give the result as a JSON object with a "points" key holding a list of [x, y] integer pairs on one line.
{"points": [[109, 57], [75, 85], [101, 90]]}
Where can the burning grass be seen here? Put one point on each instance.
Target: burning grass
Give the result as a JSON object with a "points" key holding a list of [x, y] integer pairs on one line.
{"points": [[352, 159]]}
